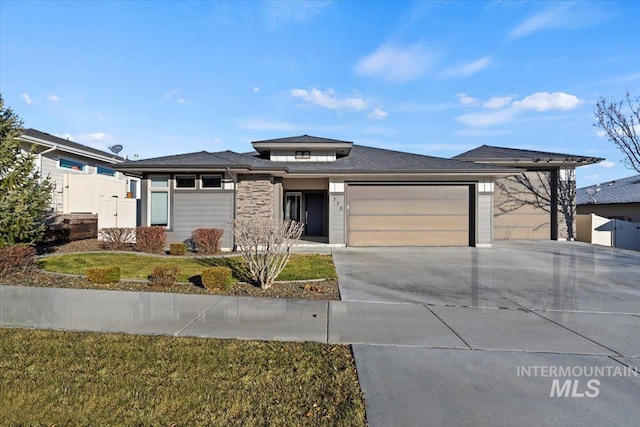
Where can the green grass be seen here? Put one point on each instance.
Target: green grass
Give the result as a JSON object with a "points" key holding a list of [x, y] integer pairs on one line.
{"points": [[137, 266], [70, 378]]}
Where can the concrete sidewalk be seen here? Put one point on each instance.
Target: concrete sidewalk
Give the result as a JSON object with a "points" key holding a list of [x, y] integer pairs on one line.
{"points": [[345, 322]]}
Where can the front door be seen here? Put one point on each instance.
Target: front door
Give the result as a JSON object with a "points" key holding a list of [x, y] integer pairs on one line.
{"points": [[314, 211]]}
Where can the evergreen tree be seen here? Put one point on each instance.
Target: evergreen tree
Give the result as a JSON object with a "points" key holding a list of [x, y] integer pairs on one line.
{"points": [[24, 196]]}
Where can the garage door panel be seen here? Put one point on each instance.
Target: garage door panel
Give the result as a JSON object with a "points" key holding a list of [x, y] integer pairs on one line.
{"points": [[408, 215], [402, 207], [409, 222], [409, 238]]}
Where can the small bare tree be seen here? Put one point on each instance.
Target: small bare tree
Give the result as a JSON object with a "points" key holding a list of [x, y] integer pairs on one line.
{"points": [[622, 129], [265, 245], [529, 189]]}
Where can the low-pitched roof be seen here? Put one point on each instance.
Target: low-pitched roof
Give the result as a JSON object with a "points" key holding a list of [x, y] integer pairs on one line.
{"points": [[361, 160], [65, 143], [303, 139], [488, 153], [625, 190]]}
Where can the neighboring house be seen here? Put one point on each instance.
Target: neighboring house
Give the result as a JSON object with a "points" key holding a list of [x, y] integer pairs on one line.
{"points": [[618, 199], [83, 176], [522, 203], [346, 194]]}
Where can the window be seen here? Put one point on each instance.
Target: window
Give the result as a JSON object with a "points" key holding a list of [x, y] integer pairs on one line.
{"points": [[211, 181], [160, 182], [159, 201], [101, 170], [159, 208], [185, 181], [71, 164], [303, 154]]}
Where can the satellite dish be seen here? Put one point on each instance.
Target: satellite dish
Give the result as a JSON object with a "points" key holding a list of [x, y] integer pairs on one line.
{"points": [[592, 192], [115, 149]]}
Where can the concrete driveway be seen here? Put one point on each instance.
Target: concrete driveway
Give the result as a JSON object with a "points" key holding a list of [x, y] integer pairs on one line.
{"points": [[522, 311]]}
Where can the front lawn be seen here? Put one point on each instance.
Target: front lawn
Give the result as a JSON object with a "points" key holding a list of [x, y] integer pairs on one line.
{"points": [[71, 378], [139, 266]]}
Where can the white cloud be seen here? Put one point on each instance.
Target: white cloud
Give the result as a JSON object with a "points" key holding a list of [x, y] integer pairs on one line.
{"points": [[53, 98], [601, 133], [466, 99], [26, 98], [594, 176], [329, 99], [397, 64], [606, 164], [464, 70], [280, 13], [99, 140], [497, 102], [170, 93], [216, 140], [565, 15], [256, 89], [378, 114], [266, 125], [482, 132], [544, 101], [487, 119], [182, 101]]}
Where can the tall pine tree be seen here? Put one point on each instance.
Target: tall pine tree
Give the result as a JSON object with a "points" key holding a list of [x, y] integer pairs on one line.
{"points": [[24, 195]]}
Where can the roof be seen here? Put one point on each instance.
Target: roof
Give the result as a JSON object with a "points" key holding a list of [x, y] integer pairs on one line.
{"points": [[54, 140], [303, 139], [625, 190], [502, 154], [361, 160]]}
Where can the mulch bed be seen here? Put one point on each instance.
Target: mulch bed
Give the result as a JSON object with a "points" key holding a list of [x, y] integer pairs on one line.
{"points": [[312, 290]]}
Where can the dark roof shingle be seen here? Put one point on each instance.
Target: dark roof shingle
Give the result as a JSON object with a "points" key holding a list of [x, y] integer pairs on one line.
{"points": [[488, 152], [625, 190]]}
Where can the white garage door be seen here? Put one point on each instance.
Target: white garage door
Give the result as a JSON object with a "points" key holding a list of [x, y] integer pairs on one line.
{"points": [[407, 215]]}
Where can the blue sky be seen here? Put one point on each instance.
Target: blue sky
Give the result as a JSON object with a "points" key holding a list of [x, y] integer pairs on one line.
{"points": [[435, 78]]}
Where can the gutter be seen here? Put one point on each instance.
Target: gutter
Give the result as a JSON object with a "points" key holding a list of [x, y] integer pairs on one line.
{"points": [[106, 159]]}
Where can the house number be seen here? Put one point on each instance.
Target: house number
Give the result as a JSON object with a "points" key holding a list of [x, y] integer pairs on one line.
{"points": [[338, 203]]}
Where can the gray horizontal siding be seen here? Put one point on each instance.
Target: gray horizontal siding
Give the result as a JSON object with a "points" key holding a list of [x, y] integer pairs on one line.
{"points": [[485, 218], [336, 218], [201, 210]]}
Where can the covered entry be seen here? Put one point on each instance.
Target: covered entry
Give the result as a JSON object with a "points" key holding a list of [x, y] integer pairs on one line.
{"points": [[408, 215]]}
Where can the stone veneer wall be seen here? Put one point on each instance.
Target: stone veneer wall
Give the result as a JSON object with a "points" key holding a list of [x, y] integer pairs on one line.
{"points": [[255, 197]]}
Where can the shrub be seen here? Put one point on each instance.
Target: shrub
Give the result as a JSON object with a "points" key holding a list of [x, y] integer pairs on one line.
{"points": [[16, 258], [115, 238], [177, 248], [265, 246], [103, 274], [151, 239], [217, 278], [163, 276], [207, 240]]}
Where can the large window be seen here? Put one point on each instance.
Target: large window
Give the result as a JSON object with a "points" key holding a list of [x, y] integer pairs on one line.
{"points": [[159, 201], [71, 164]]}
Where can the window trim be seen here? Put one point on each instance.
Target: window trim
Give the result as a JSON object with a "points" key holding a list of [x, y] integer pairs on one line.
{"points": [[85, 166], [219, 176], [175, 181]]}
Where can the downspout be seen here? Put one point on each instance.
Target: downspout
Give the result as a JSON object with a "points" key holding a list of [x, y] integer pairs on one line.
{"points": [[234, 247]]}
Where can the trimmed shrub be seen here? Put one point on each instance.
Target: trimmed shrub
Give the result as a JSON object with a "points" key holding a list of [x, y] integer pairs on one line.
{"points": [[103, 274], [16, 258], [217, 278], [177, 248], [207, 240], [163, 276], [116, 238], [151, 239]]}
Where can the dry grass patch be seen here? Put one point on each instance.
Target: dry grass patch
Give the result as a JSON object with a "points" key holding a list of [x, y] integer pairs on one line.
{"points": [[71, 378]]}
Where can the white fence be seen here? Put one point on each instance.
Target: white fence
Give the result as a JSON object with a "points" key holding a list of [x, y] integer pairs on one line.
{"points": [[608, 232], [116, 212]]}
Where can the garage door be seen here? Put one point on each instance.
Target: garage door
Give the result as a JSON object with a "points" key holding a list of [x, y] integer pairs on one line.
{"points": [[407, 215], [517, 212]]}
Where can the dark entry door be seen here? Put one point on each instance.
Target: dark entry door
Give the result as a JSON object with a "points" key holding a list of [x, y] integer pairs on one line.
{"points": [[314, 206]]}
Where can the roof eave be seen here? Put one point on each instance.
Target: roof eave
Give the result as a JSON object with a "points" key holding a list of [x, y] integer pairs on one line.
{"points": [[64, 148]]}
